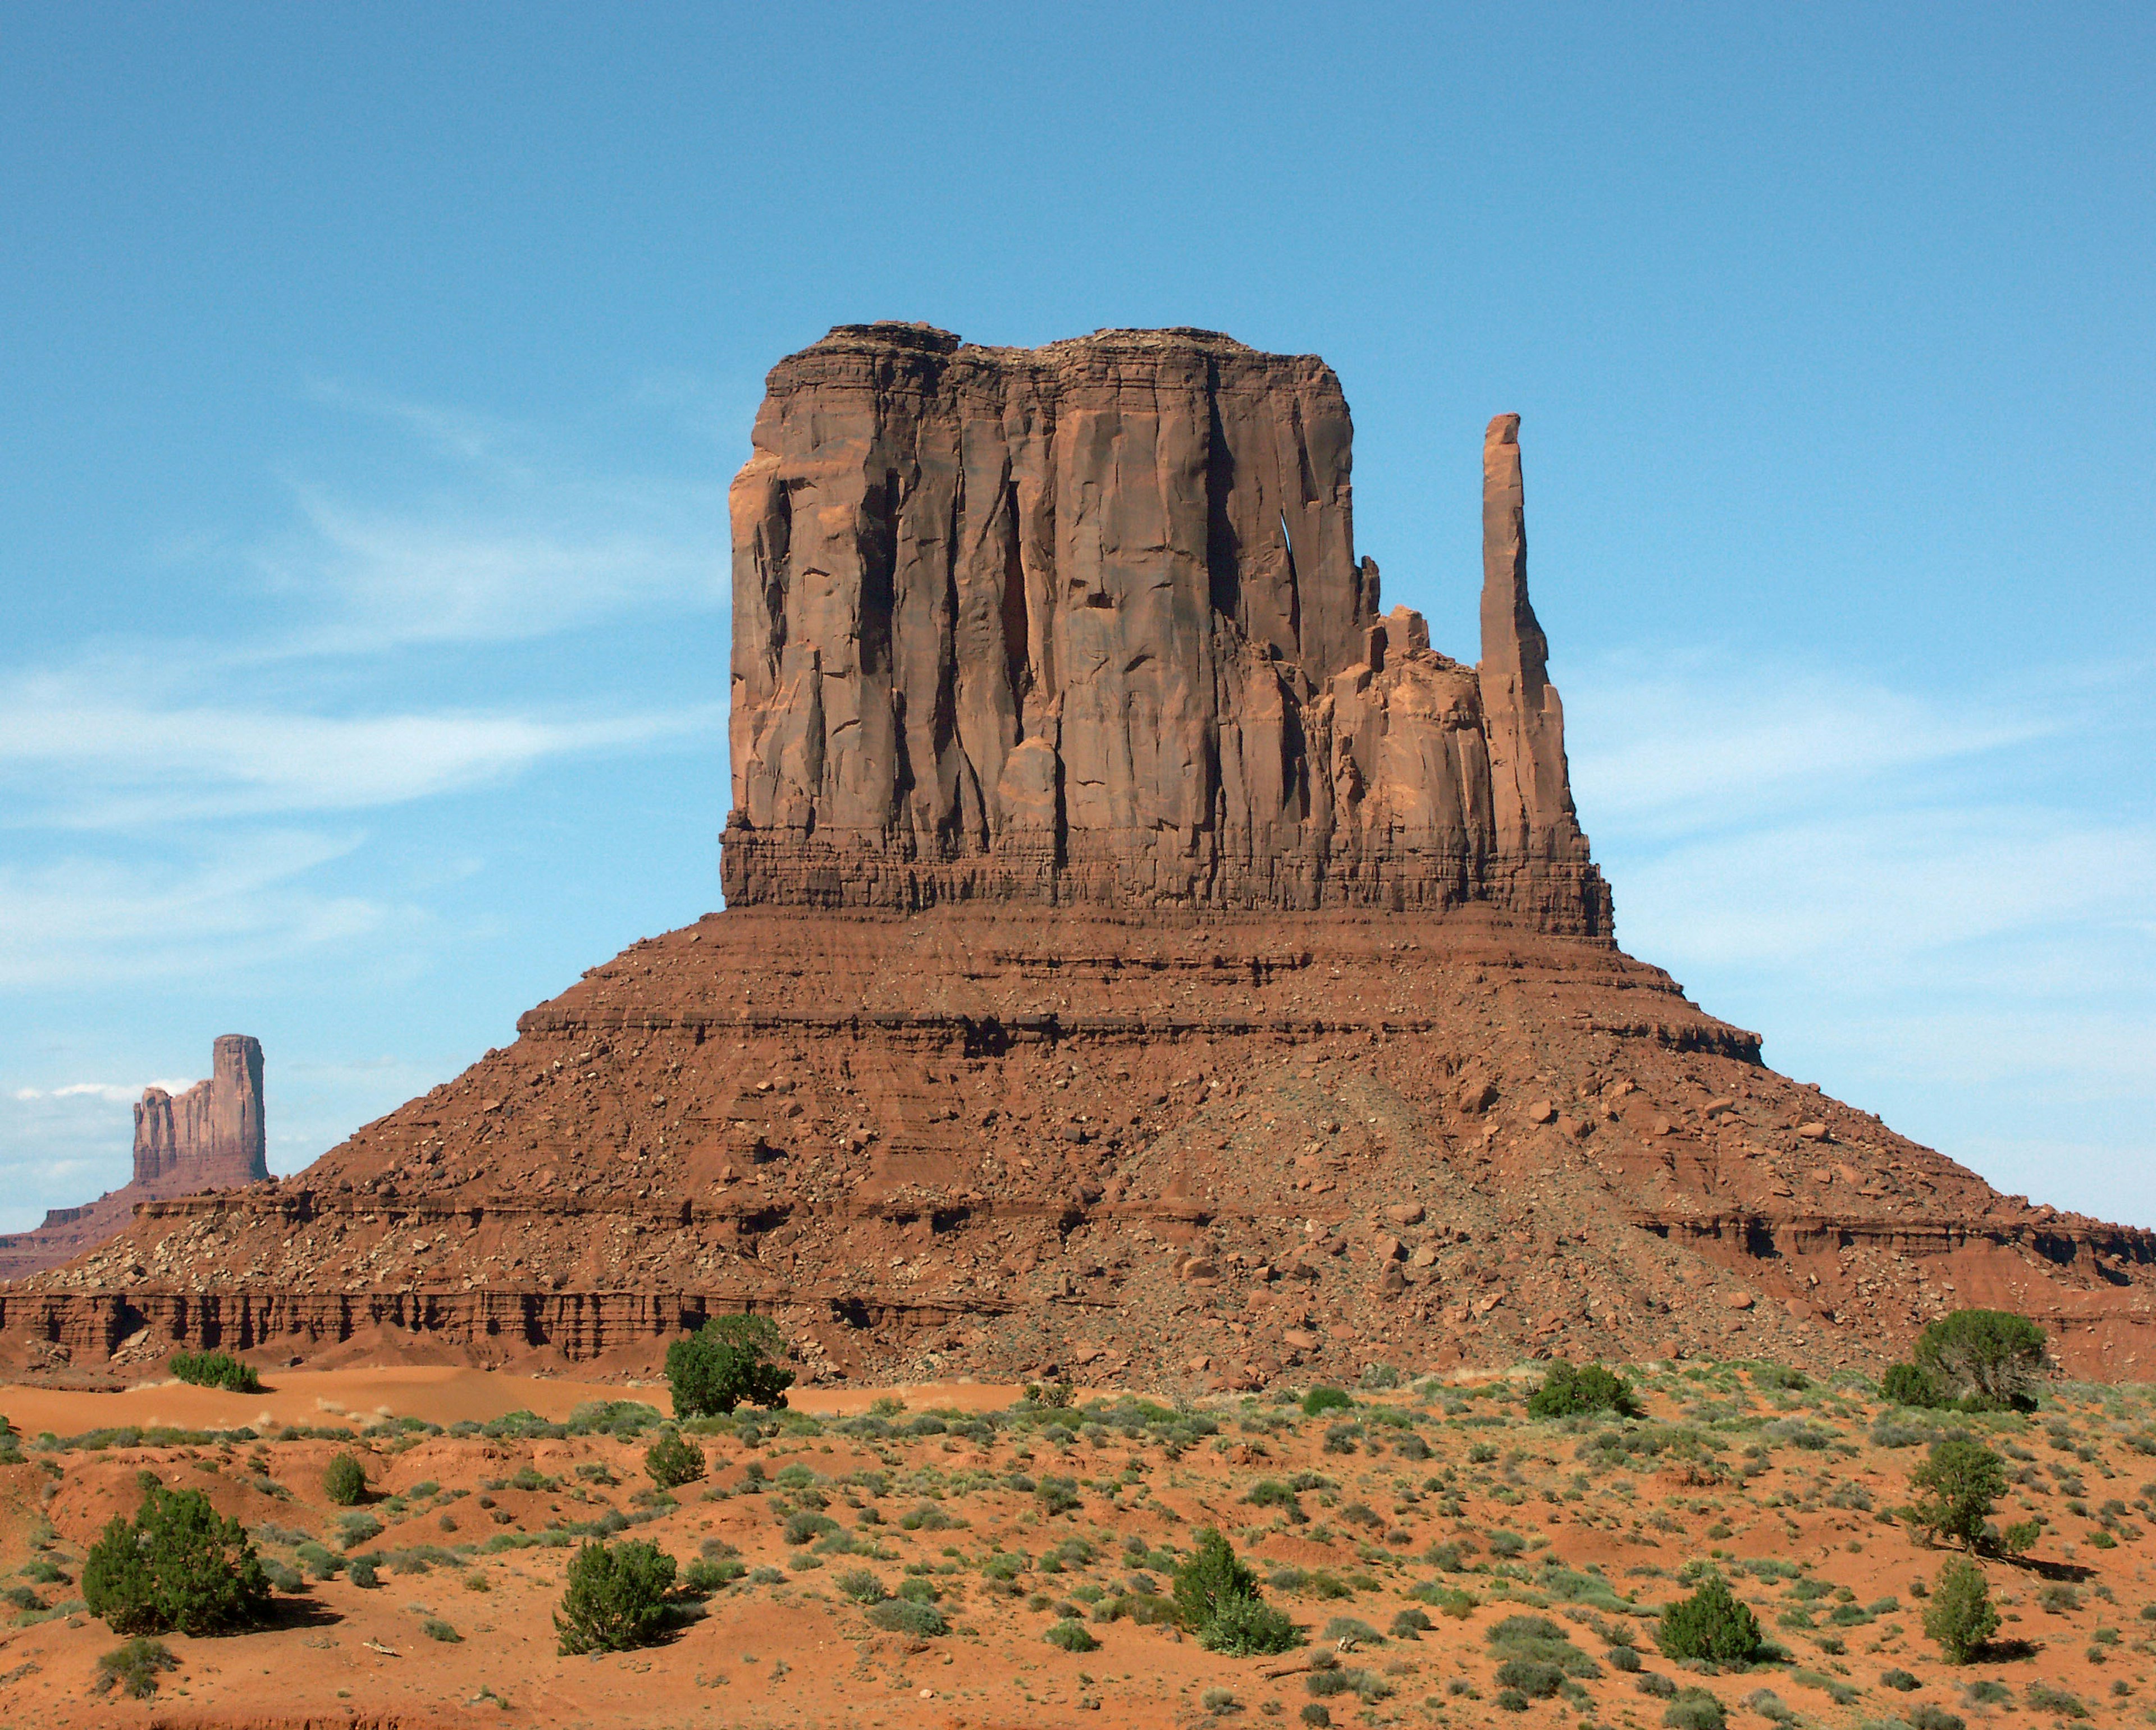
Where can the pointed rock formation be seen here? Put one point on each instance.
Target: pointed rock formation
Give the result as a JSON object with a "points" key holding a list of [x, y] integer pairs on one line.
{"points": [[208, 1138]]}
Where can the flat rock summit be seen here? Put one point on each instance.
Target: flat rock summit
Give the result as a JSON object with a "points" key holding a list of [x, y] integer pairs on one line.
{"points": [[1143, 958]]}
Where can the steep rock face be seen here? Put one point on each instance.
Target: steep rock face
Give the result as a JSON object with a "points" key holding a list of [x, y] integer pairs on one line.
{"points": [[211, 1136], [1085, 624], [208, 1138]]}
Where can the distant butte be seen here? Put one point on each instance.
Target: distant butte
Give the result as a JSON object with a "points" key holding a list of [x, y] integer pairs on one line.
{"points": [[208, 1138], [1144, 958]]}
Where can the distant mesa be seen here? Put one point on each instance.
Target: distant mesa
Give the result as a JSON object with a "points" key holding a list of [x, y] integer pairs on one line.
{"points": [[208, 1138]]}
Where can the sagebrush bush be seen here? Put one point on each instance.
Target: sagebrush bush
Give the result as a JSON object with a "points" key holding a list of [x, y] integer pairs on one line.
{"points": [[1320, 1400], [133, 1668], [616, 1598], [178, 1564], [903, 1615], [1248, 1628]]}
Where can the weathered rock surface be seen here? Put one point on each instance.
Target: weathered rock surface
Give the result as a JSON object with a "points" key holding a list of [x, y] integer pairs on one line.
{"points": [[1085, 624], [208, 1138]]}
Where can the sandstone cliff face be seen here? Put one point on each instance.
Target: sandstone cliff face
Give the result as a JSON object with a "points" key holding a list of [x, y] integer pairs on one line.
{"points": [[1085, 624], [211, 1136], [208, 1138]]}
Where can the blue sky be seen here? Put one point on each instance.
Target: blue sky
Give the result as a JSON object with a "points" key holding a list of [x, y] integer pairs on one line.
{"points": [[372, 378]]}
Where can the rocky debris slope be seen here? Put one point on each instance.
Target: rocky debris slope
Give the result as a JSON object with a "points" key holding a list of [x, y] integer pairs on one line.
{"points": [[1140, 953], [1019, 1141], [208, 1138], [1085, 624]]}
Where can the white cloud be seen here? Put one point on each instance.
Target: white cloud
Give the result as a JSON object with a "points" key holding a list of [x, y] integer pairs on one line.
{"points": [[109, 1093], [84, 922], [107, 761]]}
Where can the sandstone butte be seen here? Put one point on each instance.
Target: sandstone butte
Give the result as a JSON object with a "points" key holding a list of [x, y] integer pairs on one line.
{"points": [[208, 1138], [1142, 958]]}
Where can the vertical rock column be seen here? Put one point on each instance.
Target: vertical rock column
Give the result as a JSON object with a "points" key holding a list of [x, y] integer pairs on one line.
{"points": [[1531, 794]]}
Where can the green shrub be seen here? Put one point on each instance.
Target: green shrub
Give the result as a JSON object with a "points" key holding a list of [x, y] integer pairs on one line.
{"points": [[434, 1628], [1316, 1715], [361, 1571], [1531, 1677], [615, 1599], [704, 1576], [1410, 1624], [133, 1668], [1573, 1392], [1320, 1400], [1956, 1485], [344, 1480], [1072, 1636], [1960, 1614], [215, 1369], [355, 1529], [730, 1361], [1208, 1578], [177, 1565], [1695, 1709], [861, 1585], [1911, 1384], [673, 1460], [1710, 1625], [1991, 1357], [902, 1615], [1248, 1628], [2042, 1697]]}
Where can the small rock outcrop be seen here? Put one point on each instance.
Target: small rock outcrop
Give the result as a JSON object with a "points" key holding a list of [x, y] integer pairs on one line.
{"points": [[208, 1138], [1085, 625]]}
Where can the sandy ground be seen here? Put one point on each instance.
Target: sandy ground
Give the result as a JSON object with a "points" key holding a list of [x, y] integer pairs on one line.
{"points": [[440, 1395], [1411, 1491]]}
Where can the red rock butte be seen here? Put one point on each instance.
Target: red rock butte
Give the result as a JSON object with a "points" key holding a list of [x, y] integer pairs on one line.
{"points": [[208, 1138], [1143, 958]]}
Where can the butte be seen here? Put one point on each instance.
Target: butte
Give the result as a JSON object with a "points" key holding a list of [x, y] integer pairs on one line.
{"points": [[1143, 959]]}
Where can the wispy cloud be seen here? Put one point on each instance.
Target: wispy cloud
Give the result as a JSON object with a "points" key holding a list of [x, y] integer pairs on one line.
{"points": [[112, 1094], [83, 921], [79, 757], [1938, 907]]}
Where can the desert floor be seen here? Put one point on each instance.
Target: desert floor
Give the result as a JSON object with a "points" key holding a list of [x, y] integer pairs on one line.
{"points": [[1438, 1503]]}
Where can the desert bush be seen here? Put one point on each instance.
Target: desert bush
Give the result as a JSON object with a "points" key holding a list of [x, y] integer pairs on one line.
{"points": [[363, 1572], [133, 1668], [178, 1564], [903, 1615], [2042, 1697], [861, 1585], [673, 1461], [434, 1628], [215, 1369], [1071, 1636], [1991, 1357], [1710, 1625], [1410, 1624], [1695, 1709], [1320, 1400], [731, 1361], [1212, 1574], [1960, 1614], [615, 1599], [1912, 1384], [1569, 1391], [1956, 1485], [1531, 1677], [344, 1480]]}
